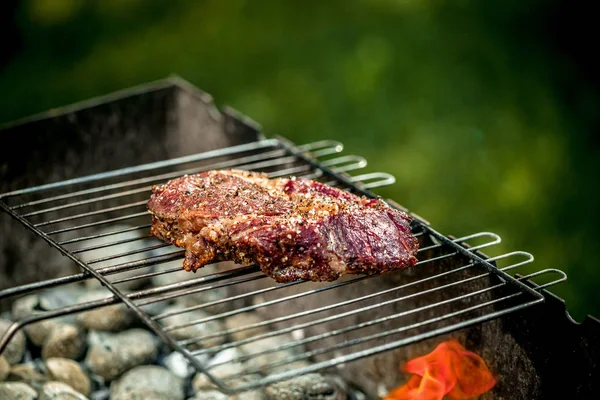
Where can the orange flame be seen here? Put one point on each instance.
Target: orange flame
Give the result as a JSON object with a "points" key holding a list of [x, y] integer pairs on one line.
{"points": [[449, 370]]}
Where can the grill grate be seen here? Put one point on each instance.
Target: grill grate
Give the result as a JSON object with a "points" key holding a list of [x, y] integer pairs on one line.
{"points": [[100, 223]]}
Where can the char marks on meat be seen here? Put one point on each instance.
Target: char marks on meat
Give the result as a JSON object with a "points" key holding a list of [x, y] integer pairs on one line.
{"points": [[292, 228]]}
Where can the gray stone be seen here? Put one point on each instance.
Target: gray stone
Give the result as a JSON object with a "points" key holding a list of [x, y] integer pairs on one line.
{"points": [[59, 391], [256, 394], [242, 320], [103, 393], [27, 373], [4, 368], [13, 353], [38, 331], [66, 341], [98, 337], [17, 391], [111, 355], [148, 381], [196, 330], [155, 308], [45, 301], [201, 297], [119, 249], [142, 395], [226, 372], [110, 318], [270, 359], [357, 395], [178, 364], [309, 386], [210, 395], [54, 299], [69, 372]]}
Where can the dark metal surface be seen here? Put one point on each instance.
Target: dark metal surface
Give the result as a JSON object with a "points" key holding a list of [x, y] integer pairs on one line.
{"points": [[68, 214]]}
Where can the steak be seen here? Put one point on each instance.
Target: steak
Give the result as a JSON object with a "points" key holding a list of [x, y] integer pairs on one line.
{"points": [[292, 228]]}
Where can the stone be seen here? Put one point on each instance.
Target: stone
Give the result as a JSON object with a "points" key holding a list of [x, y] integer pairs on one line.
{"points": [[17, 391], [66, 341], [224, 372], [4, 368], [357, 395], [201, 297], [120, 249], [255, 394], [194, 331], [310, 386], [59, 391], [178, 364], [69, 372], [148, 381], [244, 319], [153, 309], [28, 373], [38, 331], [110, 318], [210, 395], [54, 299], [270, 359], [110, 355], [103, 393], [13, 353]]}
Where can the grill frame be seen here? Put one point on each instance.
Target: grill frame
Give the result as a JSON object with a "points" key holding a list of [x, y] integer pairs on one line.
{"points": [[327, 171]]}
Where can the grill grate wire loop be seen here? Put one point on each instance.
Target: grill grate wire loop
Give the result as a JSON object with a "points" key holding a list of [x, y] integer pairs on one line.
{"points": [[89, 219]]}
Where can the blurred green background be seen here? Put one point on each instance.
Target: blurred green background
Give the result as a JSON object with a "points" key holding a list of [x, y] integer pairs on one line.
{"points": [[485, 111]]}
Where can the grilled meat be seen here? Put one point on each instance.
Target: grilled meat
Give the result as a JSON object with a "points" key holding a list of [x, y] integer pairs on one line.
{"points": [[292, 228]]}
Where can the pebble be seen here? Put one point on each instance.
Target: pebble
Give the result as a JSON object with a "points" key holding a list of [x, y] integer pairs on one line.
{"points": [[256, 394], [309, 386], [27, 373], [17, 391], [110, 355], [244, 319], [210, 395], [103, 393], [4, 368], [268, 359], [38, 331], [109, 318], [196, 330], [69, 372], [224, 371], [59, 391], [155, 308], [118, 249], [196, 298], [178, 364], [66, 341], [148, 381], [13, 353], [54, 299]]}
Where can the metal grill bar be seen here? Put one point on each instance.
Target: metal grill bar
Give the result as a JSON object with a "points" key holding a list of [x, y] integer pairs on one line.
{"points": [[266, 304], [317, 310], [113, 196], [370, 323], [339, 316], [100, 235]]}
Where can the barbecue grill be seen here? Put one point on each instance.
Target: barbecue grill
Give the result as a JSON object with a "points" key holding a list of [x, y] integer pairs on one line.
{"points": [[86, 195]]}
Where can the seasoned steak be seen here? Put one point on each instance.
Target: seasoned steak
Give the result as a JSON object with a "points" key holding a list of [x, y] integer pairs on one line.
{"points": [[292, 228]]}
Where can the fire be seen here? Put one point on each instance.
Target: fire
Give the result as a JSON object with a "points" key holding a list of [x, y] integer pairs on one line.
{"points": [[449, 370]]}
